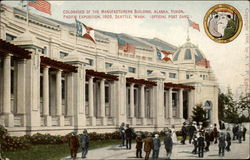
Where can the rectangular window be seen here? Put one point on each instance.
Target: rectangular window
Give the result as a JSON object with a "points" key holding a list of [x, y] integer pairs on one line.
{"points": [[149, 72], [187, 76], [172, 75], [44, 50], [86, 92], [108, 65], [63, 89], [174, 99], [135, 97], [9, 37], [63, 54], [41, 86], [106, 94], [131, 69], [90, 61], [128, 96]]}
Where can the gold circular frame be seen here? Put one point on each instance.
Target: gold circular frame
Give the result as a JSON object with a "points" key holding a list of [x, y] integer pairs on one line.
{"points": [[230, 8]]}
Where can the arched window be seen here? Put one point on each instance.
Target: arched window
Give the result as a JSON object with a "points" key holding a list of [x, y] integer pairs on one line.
{"points": [[208, 108], [188, 54]]}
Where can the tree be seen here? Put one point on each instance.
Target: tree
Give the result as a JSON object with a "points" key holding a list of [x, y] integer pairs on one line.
{"points": [[243, 106], [199, 115]]}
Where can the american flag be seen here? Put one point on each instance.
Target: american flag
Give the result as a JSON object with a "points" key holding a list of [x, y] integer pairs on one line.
{"points": [[85, 31], [41, 5], [126, 47], [193, 24]]}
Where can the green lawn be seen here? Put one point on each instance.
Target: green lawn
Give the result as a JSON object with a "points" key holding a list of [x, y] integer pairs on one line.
{"points": [[51, 152]]}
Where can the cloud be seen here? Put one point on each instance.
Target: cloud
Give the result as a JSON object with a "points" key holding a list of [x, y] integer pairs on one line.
{"points": [[58, 3]]}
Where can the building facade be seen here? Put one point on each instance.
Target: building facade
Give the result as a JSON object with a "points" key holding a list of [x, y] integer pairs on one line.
{"points": [[54, 82]]}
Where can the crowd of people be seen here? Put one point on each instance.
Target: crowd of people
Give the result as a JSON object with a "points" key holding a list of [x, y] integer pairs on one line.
{"points": [[200, 137]]}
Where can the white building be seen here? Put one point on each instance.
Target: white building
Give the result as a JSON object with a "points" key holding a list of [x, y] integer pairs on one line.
{"points": [[55, 86]]}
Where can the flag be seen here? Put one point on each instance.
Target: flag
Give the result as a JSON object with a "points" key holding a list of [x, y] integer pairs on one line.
{"points": [[84, 31], [193, 24], [163, 55], [41, 5], [126, 47]]}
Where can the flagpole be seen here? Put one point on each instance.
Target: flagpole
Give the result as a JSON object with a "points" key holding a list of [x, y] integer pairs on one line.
{"points": [[75, 36], [188, 39], [27, 15]]}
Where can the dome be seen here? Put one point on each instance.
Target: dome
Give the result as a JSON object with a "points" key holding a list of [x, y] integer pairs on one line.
{"points": [[188, 53]]}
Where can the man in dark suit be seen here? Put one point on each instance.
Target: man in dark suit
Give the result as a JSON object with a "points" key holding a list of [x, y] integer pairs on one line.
{"points": [[207, 139], [84, 143], [201, 144], [244, 133], [168, 144], [215, 132], [228, 139], [129, 136], [192, 129], [222, 144], [184, 133]]}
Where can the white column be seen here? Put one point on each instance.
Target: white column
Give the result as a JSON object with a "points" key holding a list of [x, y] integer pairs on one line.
{"points": [[181, 103], [190, 103], [9, 118], [142, 107], [132, 104], [46, 95], [20, 94], [59, 97], [170, 107], [91, 102], [102, 101]]}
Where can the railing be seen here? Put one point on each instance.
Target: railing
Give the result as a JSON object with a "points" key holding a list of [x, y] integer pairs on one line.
{"points": [[138, 121], [110, 121], [55, 121], [88, 121], [42, 121], [98, 121], [149, 121], [67, 121], [18, 120]]}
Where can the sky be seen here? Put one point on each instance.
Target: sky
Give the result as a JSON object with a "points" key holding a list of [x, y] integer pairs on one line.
{"points": [[228, 60]]}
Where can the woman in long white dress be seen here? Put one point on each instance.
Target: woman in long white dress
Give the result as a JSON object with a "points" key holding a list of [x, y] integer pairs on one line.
{"points": [[174, 137]]}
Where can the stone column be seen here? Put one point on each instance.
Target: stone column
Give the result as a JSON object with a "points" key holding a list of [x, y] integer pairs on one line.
{"points": [[9, 118], [46, 96], [20, 96], [170, 107], [142, 104], [59, 97], [190, 103], [132, 104], [91, 102], [181, 104], [102, 102]]}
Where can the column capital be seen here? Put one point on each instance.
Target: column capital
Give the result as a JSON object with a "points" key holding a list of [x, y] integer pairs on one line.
{"points": [[46, 67], [7, 56], [132, 84]]}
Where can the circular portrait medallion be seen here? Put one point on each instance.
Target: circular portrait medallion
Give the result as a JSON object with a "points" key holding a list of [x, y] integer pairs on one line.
{"points": [[222, 23]]}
